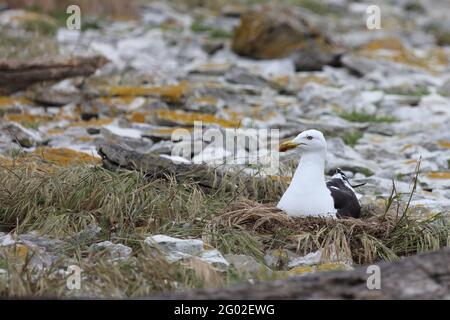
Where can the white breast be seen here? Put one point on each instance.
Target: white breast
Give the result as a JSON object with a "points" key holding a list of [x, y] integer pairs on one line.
{"points": [[297, 203]]}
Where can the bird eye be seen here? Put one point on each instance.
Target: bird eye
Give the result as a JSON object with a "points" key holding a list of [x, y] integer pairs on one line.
{"points": [[309, 137]]}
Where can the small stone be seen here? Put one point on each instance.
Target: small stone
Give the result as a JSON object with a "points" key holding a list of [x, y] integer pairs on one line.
{"points": [[215, 258], [89, 234], [115, 252], [247, 264]]}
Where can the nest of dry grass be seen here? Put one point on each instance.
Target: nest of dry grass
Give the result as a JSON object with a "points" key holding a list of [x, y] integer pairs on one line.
{"points": [[379, 236]]}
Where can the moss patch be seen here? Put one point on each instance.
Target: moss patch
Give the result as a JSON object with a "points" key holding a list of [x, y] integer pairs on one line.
{"points": [[356, 116]]}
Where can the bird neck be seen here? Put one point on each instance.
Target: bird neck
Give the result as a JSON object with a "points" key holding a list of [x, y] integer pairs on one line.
{"points": [[310, 170]]}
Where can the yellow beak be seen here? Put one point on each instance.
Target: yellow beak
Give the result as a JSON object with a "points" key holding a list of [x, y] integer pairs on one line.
{"points": [[287, 145]]}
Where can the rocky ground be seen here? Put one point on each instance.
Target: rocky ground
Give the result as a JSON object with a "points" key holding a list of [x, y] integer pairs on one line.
{"points": [[382, 98]]}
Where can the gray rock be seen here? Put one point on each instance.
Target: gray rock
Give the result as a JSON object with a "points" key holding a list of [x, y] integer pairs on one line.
{"points": [[27, 138], [247, 264], [242, 76], [116, 252], [89, 234], [445, 88], [131, 138], [60, 94]]}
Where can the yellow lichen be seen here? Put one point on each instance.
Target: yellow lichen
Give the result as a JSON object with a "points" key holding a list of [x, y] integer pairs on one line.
{"points": [[392, 49], [26, 117], [65, 157], [84, 139], [188, 118], [206, 100], [439, 175], [331, 266], [92, 123], [301, 270], [282, 81], [124, 100], [138, 117], [49, 159], [167, 131], [55, 132], [444, 144], [6, 101], [169, 93], [311, 78]]}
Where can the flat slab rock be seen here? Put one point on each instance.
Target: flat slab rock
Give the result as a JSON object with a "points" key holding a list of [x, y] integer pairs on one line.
{"points": [[18, 75]]}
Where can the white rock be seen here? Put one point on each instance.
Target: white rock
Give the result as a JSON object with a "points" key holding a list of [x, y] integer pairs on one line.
{"points": [[176, 249], [320, 256], [7, 240], [215, 258]]}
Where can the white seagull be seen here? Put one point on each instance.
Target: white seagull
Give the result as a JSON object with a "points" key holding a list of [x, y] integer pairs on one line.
{"points": [[309, 194]]}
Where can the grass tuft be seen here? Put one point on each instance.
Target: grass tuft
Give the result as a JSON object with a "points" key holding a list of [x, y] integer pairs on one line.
{"points": [[351, 138], [356, 116]]}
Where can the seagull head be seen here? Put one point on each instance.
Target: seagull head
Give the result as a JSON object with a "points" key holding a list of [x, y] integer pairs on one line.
{"points": [[307, 141]]}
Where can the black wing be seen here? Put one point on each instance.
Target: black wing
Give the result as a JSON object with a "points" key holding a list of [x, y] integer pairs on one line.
{"points": [[345, 201]]}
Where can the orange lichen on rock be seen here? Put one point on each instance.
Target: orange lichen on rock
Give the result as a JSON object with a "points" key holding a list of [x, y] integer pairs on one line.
{"points": [[444, 144], [167, 130], [49, 159], [84, 139], [392, 49], [29, 120], [169, 93], [138, 116], [188, 118], [206, 100], [65, 157], [439, 175], [92, 123], [55, 131], [282, 81], [6, 101]]}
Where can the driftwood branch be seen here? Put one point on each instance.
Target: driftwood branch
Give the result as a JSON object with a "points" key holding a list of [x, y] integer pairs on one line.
{"points": [[116, 156], [18, 75], [424, 276]]}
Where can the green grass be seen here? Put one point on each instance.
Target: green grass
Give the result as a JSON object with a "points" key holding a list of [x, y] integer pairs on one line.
{"points": [[315, 6], [198, 26], [366, 172], [351, 138], [356, 116], [419, 92]]}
